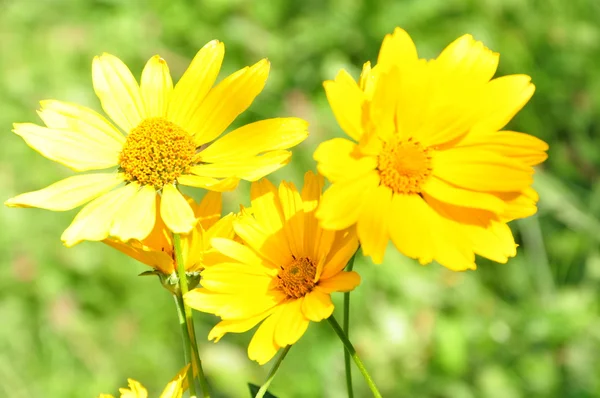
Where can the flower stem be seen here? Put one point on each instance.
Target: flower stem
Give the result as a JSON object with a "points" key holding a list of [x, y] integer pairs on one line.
{"points": [[346, 326], [350, 348], [263, 389], [196, 367], [186, 342]]}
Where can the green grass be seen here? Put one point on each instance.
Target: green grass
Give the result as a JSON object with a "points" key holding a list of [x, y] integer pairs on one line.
{"points": [[77, 322]]}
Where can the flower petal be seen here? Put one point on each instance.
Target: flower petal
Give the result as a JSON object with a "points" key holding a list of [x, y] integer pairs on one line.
{"points": [[226, 101], [93, 222], [311, 196], [155, 259], [291, 325], [262, 347], [397, 49], [466, 58], [68, 193], [343, 282], [293, 214], [272, 246], [342, 250], [236, 251], [156, 87], [339, 160], [190, 91], [481, 170], [249, 169], [211, 184], [118, 91], [237, 325], [73, 149], [342, 203], [346, 100], [137, 217], [208, 212], [372, 225], [317, 305], [256, 138], [64, 115], [176, 211], [455, 195]]}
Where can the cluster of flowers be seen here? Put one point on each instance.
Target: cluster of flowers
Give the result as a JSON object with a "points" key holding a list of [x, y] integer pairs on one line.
{"points": [[426, 165]]}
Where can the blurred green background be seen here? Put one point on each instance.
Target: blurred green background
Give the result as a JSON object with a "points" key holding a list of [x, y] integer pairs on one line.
{"points": [[77, 322]]}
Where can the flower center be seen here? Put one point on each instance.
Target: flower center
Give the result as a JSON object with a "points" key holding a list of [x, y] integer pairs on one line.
{"points": [[157, 152], [404, 166], [297, 278]]}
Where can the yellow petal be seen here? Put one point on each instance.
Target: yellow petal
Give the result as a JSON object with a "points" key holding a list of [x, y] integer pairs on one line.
{"points": [[262, 347], [93, 222], [195, 84], [342, 250], [317, 305], [346, 100], [372, 225], [256, 138], [455, 195], [64, 115], [236, 306], [311, 195], [176, 211], [237, 278], [155, 259], [177, 385], [208, 212], [118, 91], [264, 197], [519, 204], [293, 214], [73, 149], [237, 325], [249, 169], [382, 109], [135, 390], [272, 246], [481, 170], [339, 160], [136, 218], [419, 232], [291, 325], [466, 58], [211, 184], [156, 87], [236, 251], [397, 50], [342, 203], [342, 282], [227, 100], [503, 98], [523, 147], [68, 193]]}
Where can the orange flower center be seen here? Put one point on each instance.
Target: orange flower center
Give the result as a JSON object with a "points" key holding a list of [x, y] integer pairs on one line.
{"points": [[297, 279], [157, 152], [404, 166]]}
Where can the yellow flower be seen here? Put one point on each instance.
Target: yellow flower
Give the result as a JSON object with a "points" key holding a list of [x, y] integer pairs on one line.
{"points": [[427, 165], [174, 389], [285, 272], [157, 250], [165, 140]]}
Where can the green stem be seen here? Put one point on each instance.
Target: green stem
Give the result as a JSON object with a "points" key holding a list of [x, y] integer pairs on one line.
{"points": [[271, 376], [350, 348], [346, 326], [186, 342], [191, 332]]}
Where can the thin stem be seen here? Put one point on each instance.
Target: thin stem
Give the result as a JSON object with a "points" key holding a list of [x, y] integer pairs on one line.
{"points": [[186, 341], [346, 326], [263, 389], [350, 348], [191, 331]]}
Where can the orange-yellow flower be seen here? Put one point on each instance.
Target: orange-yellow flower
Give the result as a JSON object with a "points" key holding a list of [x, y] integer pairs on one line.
{"points": [[427, 164], [174, 389], [284, 272], [164, 136]]}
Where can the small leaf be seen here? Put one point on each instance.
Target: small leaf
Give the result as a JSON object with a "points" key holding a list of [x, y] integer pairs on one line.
{"points": [[254, 390]]}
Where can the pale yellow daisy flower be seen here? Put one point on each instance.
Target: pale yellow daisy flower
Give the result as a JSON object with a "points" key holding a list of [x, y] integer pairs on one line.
{"points": [[164, 136]]}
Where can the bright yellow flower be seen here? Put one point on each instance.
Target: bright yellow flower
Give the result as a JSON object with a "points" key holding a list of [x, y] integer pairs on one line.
{"points": [[427, 165], [285, 272], [174, 389], [165, 140], [157, 249]]}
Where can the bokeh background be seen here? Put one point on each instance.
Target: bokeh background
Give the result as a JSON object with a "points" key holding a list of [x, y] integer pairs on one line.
{"points": [[77, 322]]}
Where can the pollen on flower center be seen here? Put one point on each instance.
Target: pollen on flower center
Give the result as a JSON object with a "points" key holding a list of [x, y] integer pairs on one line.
{"points": [[157, 152], [404, 166], [297, 278]]}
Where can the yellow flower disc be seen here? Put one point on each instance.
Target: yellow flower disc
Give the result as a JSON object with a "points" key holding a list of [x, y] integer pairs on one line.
{"points": [[157, 152], [297, 278], [404, 166]]}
